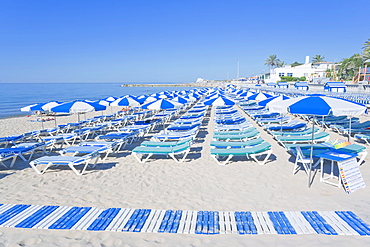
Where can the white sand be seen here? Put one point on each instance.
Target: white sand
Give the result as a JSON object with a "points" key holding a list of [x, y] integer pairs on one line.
{"points": [[197, 184]]}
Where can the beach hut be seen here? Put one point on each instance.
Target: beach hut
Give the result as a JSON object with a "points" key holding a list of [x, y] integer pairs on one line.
{"points": [[301, 85], [339, 87]]}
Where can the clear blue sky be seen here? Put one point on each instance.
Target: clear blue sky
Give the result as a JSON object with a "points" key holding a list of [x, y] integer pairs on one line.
{"points": [[170, 40]]}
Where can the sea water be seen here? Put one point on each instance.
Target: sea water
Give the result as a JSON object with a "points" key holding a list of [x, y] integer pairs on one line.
{"points": [[14, 96]]}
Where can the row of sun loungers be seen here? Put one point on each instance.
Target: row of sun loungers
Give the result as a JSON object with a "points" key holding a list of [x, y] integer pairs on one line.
{"points": [[234, 136], [176, 140], [100, 128]]}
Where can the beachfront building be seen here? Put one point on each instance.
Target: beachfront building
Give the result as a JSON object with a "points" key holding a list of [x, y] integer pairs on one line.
{"points": [[310, 71]]}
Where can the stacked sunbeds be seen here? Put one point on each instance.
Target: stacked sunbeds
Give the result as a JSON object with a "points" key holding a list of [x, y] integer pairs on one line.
{"points": [[234, 135], [175, 141]]}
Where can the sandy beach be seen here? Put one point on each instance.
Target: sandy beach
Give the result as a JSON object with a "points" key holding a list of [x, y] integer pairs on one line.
{"points": [[197, 184]]}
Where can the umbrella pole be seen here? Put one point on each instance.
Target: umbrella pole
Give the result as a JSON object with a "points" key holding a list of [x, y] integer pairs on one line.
{"points": [[349, 131], [311, 153]]}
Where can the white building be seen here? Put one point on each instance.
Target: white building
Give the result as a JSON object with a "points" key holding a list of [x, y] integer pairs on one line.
{"points": [[308, 70]]}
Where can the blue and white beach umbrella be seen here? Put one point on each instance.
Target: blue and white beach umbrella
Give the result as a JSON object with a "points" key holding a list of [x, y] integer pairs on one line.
{"points": [[126, 101], [180, 100], [150, 99], [31, 107], [273, 99], [78, 107], [41, 106], [317, 106], [161, 104], [219, 101], [259, 96]]}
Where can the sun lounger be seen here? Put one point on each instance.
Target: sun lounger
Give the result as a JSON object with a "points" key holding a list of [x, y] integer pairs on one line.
{"points": [[231, 121], [61, 139], [70, 161], [165, 144], [250, 152], [183, 127], [223, 127], [245, 136], [307, 131], [291, 126], [10, 139], [265, 115], [118, 136], [363, 137], [175, 135], [182, 149], [7, 156], [234, 132], [263, 121], [234, 144], [20, 150], [318, 137], [104, 148]]}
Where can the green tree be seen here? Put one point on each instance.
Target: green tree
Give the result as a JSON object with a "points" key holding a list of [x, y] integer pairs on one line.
{"points": [[272, 61], [296, 64], [318, 59], [349, 66]]}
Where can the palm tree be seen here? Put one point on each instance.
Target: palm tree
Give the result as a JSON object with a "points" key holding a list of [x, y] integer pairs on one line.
{"points": [[280, 64], [366, 45], [318, 59], [272, 61]]}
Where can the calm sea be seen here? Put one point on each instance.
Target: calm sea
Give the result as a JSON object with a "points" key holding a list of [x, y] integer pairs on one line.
{"points": [[14, 96]]}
